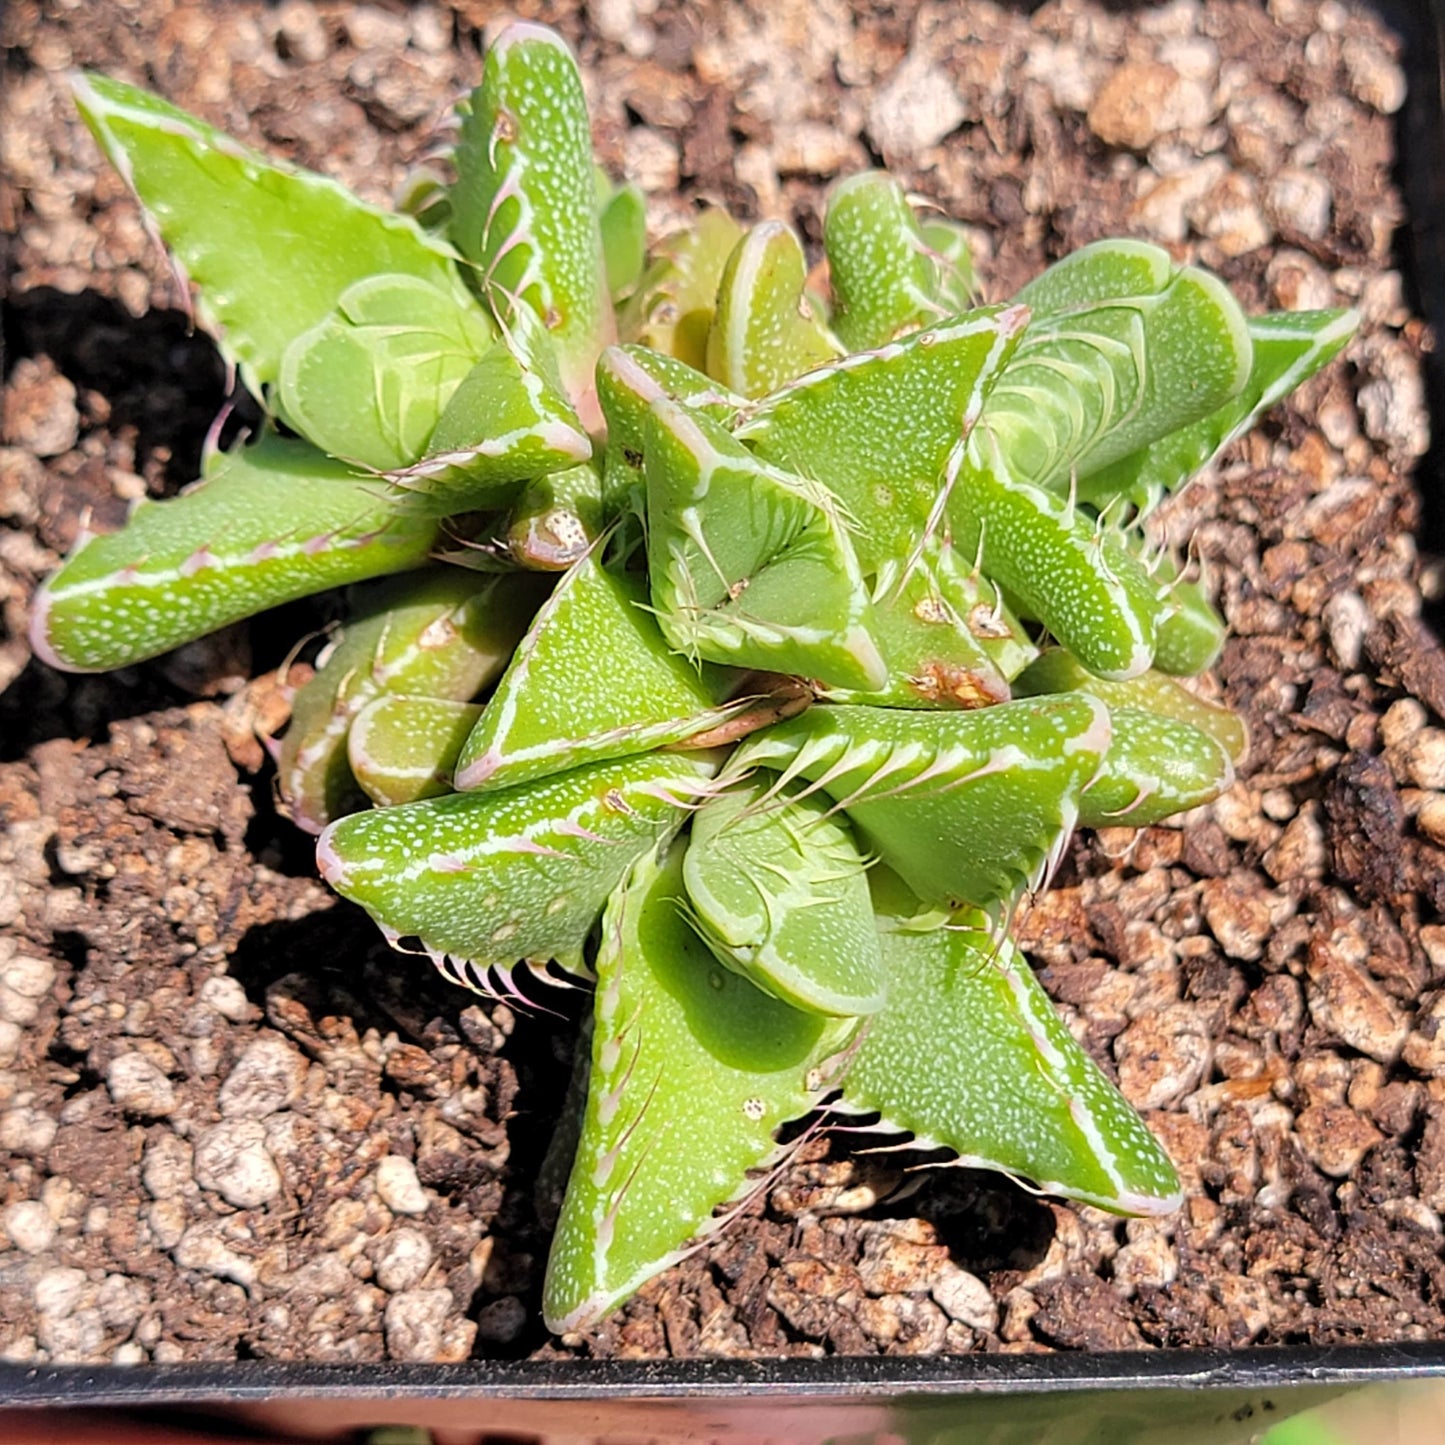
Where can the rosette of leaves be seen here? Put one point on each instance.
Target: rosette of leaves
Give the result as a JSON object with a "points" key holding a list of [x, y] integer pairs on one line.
{"points": [[794, 629]]}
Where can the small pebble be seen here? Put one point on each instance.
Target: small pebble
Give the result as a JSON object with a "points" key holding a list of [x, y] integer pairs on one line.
{"points": [[1374, 78], [1300, 201], [232, 1159], [201, 1248], [402, 1259], [1424, 759], [225, 994], [413, 1324], [398, 1187], [267, 1077], [26, 1130], [29, 1225], [916, 109], [966, 1298], [139, 1088]]}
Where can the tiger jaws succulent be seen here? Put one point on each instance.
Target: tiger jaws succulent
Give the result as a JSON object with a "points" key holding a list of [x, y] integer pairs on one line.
{"points": [[747, 649]]}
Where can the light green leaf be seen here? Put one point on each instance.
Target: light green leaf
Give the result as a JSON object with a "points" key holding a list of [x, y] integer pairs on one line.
{"points": [[751, 567], [879, 428], [878, 262], [964, 806], [779, 893], [1057, 671], [693, 1070], [969, 1055], [672, 309], [271, 247], [1289, 347], [402, 747], [622, 216], [765, 330], [1107, 368], [1062, 568], [592, 679], [442, 633], [370, 381], [524, 203], [486, 880], [269, 523]]}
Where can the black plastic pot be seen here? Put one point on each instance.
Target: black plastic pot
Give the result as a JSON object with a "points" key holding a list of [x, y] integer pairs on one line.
{"points": [[1188, 1397]]}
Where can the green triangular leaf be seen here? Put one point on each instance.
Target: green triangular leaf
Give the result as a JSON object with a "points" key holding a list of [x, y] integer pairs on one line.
{"points": [[370, 381], [268, 523], [766, 330], [271, 247], [486, 880], [524, 203], [970, 1056], [402, 747], [749, 566], [593, 679], [693, 1070], [1289, 347], [964, 806], [949, 640], [672, 309], [505, 424], [779, 892], [1059, 565], [879, 427]]}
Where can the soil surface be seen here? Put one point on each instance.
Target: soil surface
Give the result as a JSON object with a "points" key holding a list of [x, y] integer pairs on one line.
{"points": [[234, 1125]]}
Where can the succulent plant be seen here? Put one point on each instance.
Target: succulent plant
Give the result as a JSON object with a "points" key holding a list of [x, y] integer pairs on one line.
{"points": [[754, 665]]}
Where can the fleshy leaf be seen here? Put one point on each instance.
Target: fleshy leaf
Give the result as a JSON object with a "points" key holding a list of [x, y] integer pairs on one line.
{"points": [[442, 633], [402, 748], [878, 262], [749, 566], [1289, 347], [369, 382], [1094, 381], [964, 806], [524, 203], [954, 286], [879, 427], [271, 247], [506, 424], [765, 330], [1062, 568], [949, 640], [779, 893], [556, 519], [629, 380], [269, 523], [1156, 766], [693, 1070], [1056, 671], [486, 880], [672, 309], [1190, 634], [969, 1055], [592, 679], [622, 217]]}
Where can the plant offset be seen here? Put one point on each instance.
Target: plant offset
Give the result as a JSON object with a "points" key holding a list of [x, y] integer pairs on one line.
{"points": [[745, 639]]}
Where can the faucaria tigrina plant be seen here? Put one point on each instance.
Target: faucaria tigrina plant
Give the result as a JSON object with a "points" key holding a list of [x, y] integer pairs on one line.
{"points": [[743, 641]]}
